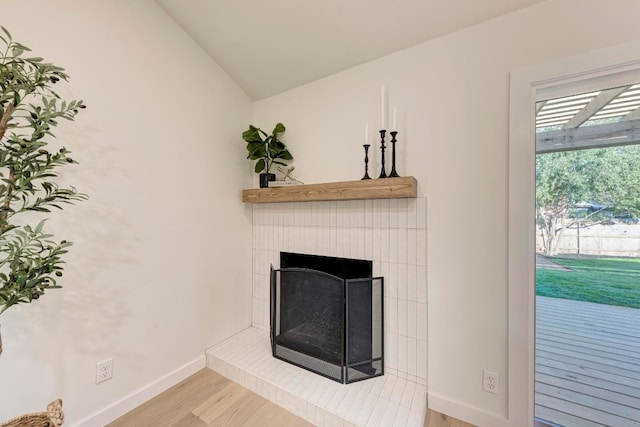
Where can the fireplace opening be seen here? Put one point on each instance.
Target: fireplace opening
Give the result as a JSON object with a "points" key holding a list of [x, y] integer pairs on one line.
{"points": [[327, 316]]}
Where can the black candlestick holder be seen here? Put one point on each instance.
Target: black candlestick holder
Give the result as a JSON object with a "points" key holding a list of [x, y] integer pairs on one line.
{"points": [[393, 173], [366, 161], [383, 173]]}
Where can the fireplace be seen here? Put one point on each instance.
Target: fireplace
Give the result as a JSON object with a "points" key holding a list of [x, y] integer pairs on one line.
{"points": [[327, 316]]}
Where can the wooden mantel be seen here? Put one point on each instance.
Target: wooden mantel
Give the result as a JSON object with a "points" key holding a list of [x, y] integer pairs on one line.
{"points": [[386, 188]]}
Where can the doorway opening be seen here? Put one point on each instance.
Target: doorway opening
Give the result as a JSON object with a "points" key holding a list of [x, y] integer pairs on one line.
{"points": [[587, 287]]}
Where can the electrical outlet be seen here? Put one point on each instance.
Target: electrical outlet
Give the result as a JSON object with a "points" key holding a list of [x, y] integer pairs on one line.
{"points": [[490, 382], [104, 370]]}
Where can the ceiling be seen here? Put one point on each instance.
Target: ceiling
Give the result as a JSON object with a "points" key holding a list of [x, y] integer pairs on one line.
{"points": [[269, 47]]}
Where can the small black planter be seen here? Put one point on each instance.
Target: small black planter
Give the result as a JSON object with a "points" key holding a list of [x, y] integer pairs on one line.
{"points": [[265, 178]]}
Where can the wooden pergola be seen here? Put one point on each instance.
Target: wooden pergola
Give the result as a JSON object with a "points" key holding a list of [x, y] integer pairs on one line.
{"points": [[589, 120]]}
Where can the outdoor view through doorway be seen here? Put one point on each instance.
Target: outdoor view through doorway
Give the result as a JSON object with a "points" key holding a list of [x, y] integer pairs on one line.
{"points": [[587, 366]]}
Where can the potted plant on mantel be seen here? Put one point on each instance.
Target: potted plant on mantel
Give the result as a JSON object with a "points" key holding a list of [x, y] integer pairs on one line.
{"points": [[267, 151], [30, 259]]}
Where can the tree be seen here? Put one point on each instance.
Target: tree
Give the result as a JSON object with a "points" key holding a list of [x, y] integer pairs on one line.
{"points": [[30, 260], [609, 177]]}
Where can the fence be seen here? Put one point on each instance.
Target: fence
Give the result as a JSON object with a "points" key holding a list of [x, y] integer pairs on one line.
{"points": [[622, 240]]}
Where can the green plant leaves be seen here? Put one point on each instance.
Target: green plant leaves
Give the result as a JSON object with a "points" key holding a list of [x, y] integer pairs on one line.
{"points": [[6, 32], [276, 145], [268, 150], [278, 129], [285, 155], [252, 134], [30, 260], [256, 150]]}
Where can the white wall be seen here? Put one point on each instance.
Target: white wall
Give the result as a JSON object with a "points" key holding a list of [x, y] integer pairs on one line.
{"points": [[452, 96], [159, 270]]}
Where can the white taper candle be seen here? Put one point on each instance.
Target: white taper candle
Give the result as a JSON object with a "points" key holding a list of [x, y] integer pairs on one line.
{"points": [[366, 132], [383, 105]]}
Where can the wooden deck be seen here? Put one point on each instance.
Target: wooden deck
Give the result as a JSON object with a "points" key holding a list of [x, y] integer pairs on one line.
{"points": [[587, 364]]}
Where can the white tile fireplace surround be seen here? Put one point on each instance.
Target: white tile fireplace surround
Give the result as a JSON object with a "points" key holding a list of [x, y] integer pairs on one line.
{"points": [[391, 233]]}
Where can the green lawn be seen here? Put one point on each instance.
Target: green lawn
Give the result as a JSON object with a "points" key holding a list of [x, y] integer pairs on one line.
{"points": [[613, 281]]}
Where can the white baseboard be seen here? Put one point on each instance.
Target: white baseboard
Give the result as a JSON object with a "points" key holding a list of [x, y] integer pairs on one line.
{"points": [[138, 397], [465, 413]]}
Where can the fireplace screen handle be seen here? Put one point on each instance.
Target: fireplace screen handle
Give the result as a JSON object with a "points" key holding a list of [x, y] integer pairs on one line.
{"points": [[272, 309]]}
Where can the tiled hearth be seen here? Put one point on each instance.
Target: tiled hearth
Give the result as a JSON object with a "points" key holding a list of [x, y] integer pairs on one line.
{"points": [[382, 401], [391, 233]]}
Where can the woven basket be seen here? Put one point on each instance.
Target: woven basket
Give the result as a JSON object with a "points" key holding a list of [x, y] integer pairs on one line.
{"points": [[54, 417]]}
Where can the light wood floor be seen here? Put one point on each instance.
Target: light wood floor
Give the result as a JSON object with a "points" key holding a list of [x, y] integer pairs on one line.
{"points": [[208, 399], [436, 419]]}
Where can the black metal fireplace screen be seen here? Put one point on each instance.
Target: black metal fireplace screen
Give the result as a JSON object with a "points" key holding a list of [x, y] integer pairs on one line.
{"points": [[327, 316]]}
